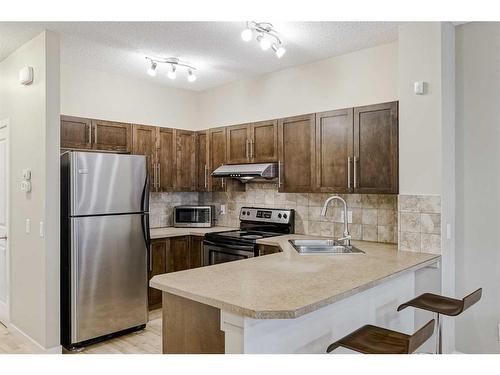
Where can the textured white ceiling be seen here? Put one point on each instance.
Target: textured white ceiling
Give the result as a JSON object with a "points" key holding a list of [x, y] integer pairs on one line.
{"points": [[215, 48]]}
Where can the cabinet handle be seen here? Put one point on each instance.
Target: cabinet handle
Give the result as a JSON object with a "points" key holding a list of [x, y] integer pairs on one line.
{"points": [[159, 175], [90, 134], [95, 135], [252, 147], [150, 258], [355, 174], [349, 173], [155, 181], [246, 149], [206, 176], [279, 174]]}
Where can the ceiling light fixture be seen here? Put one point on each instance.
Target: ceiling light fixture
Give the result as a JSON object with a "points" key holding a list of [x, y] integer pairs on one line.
{"points": [[267, 37], [173, 63]]}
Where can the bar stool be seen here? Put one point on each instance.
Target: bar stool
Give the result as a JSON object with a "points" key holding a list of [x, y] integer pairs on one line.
{"points": [[442, 305], [376, 340]]}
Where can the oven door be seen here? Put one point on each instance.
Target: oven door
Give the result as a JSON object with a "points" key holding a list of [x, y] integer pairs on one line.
{"points": [[215, 253]]}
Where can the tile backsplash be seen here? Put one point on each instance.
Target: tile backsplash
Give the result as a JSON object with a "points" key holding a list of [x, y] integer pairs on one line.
{"points": [[161, 207], [411, 221], [419, 227], [374, 217]]}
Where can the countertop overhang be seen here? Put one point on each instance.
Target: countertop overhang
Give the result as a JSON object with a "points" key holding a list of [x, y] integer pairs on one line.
{"points": [[167, 232], [288, 285]]}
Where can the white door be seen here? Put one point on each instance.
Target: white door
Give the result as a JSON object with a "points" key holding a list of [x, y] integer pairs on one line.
{"points": [[4, 257]]}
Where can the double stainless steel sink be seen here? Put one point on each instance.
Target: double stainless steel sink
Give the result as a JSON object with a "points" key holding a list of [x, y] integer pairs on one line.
{"points": [[323, 247]]}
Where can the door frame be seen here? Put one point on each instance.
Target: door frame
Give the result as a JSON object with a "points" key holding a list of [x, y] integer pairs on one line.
{"points": [[5, 315]]}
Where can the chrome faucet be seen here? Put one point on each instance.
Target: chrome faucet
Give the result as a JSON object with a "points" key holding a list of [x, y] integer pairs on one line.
{"points": [[346, 236]]}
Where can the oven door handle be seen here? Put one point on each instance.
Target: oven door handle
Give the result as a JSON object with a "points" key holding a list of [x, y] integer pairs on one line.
{"points": [[219, 245]]}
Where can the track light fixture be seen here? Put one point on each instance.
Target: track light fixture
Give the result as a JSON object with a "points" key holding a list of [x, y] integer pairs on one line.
{"points": [[173, 63], [265, 35]]}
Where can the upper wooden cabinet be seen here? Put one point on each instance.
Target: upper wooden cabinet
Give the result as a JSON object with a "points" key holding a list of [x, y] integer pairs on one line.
{"points": [[252, 143], [296, 154], [165, 172], [88, 134], [144, 142], [111, 136], [217, 157], [334, 151], [238, 144], [76, 133], [264, 141], [375, 163], [202, 161], [185, 160]]}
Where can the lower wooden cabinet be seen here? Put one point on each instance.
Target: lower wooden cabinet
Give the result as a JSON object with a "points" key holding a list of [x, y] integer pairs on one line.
{"points": [[172, 255], [157, 266]]}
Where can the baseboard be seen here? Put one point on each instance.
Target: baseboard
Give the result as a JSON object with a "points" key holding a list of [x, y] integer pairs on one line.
{"points": [[35, 346]]}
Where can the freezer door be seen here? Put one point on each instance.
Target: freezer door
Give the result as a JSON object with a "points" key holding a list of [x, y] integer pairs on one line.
{"points": [[108, 183], [108, 275]]}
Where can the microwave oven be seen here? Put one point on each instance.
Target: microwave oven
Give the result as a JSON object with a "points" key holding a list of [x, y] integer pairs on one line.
{"points": [[194, 216]]}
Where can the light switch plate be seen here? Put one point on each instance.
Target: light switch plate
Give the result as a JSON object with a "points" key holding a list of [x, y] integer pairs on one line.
{"points": [[28, 226], [222, 209]]}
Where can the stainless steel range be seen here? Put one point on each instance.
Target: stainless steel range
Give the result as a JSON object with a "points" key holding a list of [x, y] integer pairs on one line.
{"points": [[255, 223]]}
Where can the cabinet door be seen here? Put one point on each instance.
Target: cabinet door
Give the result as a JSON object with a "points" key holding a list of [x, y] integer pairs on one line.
{"points": [[296, 154], [238, 147], [76, 133], [201, 161], [217, 156], [185, 160], [334, 151], [178, 254], [111, 136], [144, 143], [375, 168], [264, 142], [165, 173], [157, 266], [196, 252]]}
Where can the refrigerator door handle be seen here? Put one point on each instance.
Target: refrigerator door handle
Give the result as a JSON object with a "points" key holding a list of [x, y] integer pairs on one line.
{"points": [[147, 238]]}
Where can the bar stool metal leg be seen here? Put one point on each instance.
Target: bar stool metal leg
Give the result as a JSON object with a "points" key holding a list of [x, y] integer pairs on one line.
{"points": [[439, 345]]}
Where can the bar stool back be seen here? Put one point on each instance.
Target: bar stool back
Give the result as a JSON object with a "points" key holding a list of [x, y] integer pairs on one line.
{"points": [[442, 305]]}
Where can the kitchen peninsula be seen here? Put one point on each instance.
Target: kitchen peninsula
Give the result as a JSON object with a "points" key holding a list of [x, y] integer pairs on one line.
{"points": [[286, 302]]}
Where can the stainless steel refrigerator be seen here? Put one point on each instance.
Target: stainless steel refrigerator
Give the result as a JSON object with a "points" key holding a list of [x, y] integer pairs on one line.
{"points": [[104, 246]]}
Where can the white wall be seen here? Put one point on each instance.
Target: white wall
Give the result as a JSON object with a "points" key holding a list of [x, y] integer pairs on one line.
{"points": [[420, 115], [34, 135], [478, 183], [96, 94], [367, 76]]}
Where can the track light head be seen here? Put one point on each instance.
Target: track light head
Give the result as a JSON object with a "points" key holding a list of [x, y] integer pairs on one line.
{"points": [[279, 50], [265, 44], [152, 69], [247, 34], [191, 76], [172, 74]]}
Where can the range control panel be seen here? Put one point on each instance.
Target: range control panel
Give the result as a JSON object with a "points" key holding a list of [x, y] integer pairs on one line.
{"points": [[266, 215]]}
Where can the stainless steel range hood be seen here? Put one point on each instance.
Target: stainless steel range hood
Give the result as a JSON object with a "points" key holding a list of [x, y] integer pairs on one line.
{"points": [[247, 172]]}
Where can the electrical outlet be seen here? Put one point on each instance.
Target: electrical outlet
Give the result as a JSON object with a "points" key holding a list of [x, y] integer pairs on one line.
{"points": [[28, 226], [222, 209]]}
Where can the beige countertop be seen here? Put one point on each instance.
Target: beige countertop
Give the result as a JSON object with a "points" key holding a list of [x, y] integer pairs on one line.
{"points": [[287, 285], [175, 232]]}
